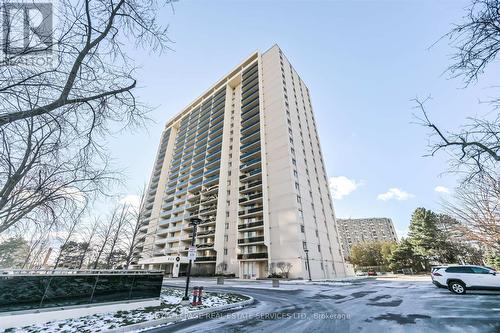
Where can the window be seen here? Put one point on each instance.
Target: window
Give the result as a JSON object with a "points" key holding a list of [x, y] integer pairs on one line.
{"points": [[319, 248], [480, 270], [302, 229], [459, 269], [225, 251], [304, 245], [297, 187]]}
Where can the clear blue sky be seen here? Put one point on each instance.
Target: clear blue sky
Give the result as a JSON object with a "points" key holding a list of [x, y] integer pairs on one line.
{"points": [[363, 62]]}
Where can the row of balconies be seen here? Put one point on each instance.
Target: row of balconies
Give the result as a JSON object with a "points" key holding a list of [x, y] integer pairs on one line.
{"points": [[250, 134], [249, 76]]}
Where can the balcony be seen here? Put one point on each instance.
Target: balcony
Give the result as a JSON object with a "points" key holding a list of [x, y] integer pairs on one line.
{"points": [[213, 164], [250, 90], [250, 105], [251, 144], [253, 185], [247, 78], [247, 97], [211, 180], [251, 175], [251, 225], [215, 139], [196, 186], [250, 163], [205, 245], [209, 258], [250, 211], [250, 197], [248, 256], [250, 153], [250, 135], [249, 240], [205, 232]]}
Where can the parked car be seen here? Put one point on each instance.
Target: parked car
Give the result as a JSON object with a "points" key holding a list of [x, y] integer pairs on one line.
{"points": [[459, 279], [372, 272]]}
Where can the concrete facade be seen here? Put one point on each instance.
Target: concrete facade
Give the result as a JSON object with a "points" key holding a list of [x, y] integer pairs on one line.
{"points": [[355, 231], [245, 158]]}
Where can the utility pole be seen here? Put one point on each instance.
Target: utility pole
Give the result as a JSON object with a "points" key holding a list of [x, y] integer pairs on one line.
{"points": [[307, 261], [194, 222]]}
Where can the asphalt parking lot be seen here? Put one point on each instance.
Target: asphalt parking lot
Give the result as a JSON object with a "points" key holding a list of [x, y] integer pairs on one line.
{"points": [[373, 305]]}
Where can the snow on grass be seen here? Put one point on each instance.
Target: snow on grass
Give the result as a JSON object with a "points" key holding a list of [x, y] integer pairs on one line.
{"points": [[170, 306]]}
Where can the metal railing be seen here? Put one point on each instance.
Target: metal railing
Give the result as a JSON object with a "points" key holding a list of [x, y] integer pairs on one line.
{"points": [[60, 271]]}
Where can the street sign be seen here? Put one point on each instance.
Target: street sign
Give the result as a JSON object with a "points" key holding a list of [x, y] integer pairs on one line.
{"points": [[192, 253]]}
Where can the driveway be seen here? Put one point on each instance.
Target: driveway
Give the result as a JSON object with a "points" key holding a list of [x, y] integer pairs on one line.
{"points": [[359, 306]]}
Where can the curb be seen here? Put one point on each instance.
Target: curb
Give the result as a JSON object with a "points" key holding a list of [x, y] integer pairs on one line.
{"points": [[187, 316]]}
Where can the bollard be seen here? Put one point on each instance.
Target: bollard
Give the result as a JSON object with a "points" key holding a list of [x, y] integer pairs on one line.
{"points": [[220, 280], [195, 295], [200, 294], [276, 283]]}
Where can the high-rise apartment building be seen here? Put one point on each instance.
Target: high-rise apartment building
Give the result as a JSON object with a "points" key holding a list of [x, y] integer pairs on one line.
{"points": [[245, 158], [355, 231]]}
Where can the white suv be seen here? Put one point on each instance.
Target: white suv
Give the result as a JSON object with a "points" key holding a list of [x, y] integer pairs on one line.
{"points": [[458, 279]]}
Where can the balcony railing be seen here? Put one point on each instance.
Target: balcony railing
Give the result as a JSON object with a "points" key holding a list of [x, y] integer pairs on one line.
{"points": [[252, 256], [207, 258], [250, 210], [251, 240], [250, 225]]}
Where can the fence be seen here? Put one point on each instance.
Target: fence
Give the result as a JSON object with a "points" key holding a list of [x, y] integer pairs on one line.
{"points": [[42, 289]]}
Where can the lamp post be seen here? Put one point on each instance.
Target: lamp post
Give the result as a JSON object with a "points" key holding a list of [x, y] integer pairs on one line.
{"points": [[307, 261], [194, 222]]}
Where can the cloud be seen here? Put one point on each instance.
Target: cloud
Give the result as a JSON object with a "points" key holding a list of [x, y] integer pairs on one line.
{"points": [[395, 193], [341, 186], [132, 200], [442, 189]]}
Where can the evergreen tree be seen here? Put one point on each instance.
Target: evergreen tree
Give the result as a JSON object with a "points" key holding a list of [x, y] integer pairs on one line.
{"points": [[404, 256], [13, 252], [423, 233], [72, 254]]}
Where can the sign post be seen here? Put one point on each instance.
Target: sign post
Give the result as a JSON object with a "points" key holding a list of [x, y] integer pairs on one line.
{"points": [[192, 249], [192, 253]]}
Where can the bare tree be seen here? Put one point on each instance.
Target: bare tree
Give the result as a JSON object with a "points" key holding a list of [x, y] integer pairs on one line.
{"points": [[38, 239], [121, 219], [476, 207], [92, 74], [42, 176], [474, 150], [285, 268], [105, 232], [88, 238], [53, 118], [132, 234], [69, 229], [476, 40]]}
